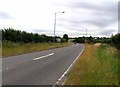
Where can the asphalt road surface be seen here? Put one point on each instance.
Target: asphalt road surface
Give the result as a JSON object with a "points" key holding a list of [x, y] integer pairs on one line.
{"points": [[39, 68]]}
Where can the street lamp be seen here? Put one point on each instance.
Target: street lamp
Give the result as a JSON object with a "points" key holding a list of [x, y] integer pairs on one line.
{"points": [[55, 23], [86, 32]]}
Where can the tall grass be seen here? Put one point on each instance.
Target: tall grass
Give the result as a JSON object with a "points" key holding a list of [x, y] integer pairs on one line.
{"points": [[0, 48], [11, 48], [98, 65]]}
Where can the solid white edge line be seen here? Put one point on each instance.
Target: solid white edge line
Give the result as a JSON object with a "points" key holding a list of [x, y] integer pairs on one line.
{"points": [[43, 56], [68, 69]]}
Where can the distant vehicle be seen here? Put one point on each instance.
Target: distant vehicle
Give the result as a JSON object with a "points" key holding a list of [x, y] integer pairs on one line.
{"points": [[75, 42]]}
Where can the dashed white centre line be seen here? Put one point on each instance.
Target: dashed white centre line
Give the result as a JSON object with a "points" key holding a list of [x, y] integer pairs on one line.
{"points": [[44, 56]]}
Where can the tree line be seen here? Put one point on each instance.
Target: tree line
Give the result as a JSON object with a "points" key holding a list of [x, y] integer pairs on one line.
{"points": [[92, 40], [23, 36], [113, 40], [13, 35]]}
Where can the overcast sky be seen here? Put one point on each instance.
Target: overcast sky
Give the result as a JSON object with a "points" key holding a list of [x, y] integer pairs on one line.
{"points": [[99, 17]]}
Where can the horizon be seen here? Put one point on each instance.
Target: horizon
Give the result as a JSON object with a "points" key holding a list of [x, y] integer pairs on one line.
{"points": [[59, 36]]}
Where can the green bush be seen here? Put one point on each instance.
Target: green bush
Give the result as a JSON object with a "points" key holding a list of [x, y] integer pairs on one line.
{"points": [[116, 40]]}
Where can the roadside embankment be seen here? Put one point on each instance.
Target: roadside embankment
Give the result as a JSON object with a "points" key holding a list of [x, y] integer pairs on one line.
{"points": [[98, 65]]}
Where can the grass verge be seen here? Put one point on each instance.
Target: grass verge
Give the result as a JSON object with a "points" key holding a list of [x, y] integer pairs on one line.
{"points": [[11, 48], [98, 65]]}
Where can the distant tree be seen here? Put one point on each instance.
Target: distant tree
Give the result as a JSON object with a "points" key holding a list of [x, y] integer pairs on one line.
{"points": [[79, 39], [65, 38], [89, 39], [116, 40]]}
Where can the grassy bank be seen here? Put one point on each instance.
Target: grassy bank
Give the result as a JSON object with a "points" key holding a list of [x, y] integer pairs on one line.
{"points": [[10, 48], [98, 65]]}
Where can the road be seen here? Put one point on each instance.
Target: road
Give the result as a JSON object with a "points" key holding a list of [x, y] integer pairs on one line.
{"points": [[39, 68]]}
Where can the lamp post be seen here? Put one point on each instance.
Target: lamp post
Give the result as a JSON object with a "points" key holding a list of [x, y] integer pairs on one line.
{"points": [[86, 32], [55, 24]]}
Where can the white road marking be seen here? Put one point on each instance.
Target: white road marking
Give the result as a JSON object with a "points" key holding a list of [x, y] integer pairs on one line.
{"points": [[67, 69], [44, 56]]}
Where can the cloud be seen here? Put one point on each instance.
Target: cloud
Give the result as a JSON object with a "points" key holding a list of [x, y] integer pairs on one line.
{"points": [[93, 15], [107, 32], [4, 15], [45, 30], [99, 6], [41, 30], [100, 17]]}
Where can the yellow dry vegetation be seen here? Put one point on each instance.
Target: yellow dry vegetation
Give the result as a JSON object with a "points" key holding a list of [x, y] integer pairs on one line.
{"points": [[97, 44], [11, 48]]}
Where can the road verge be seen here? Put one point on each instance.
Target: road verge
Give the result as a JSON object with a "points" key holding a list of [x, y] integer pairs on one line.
{"points": [[98, 65], [12, 49]]}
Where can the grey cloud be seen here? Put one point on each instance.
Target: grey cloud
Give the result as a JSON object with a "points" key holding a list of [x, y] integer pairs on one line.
{"points": [[108, 32], [81, 34], [101, 23], [46, 31], [41, 30], [107, 7], [101, 15], [76, 29], [110, 7], [98, 22], [4, 15]]}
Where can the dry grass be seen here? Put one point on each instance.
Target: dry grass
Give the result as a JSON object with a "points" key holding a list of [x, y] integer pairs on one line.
{"points": [[96, 66], [97, 44], [10, 48]]}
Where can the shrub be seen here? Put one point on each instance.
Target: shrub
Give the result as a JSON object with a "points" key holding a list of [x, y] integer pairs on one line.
{"points": [[116, 40]]}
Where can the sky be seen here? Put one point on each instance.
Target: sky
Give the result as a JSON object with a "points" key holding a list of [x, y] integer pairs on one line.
{"points": [[97, 17]]}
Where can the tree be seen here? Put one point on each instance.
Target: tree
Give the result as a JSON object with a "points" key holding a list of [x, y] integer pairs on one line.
{"points": [[79, 40], [116, 40], [23, 36], [65, 38]]}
